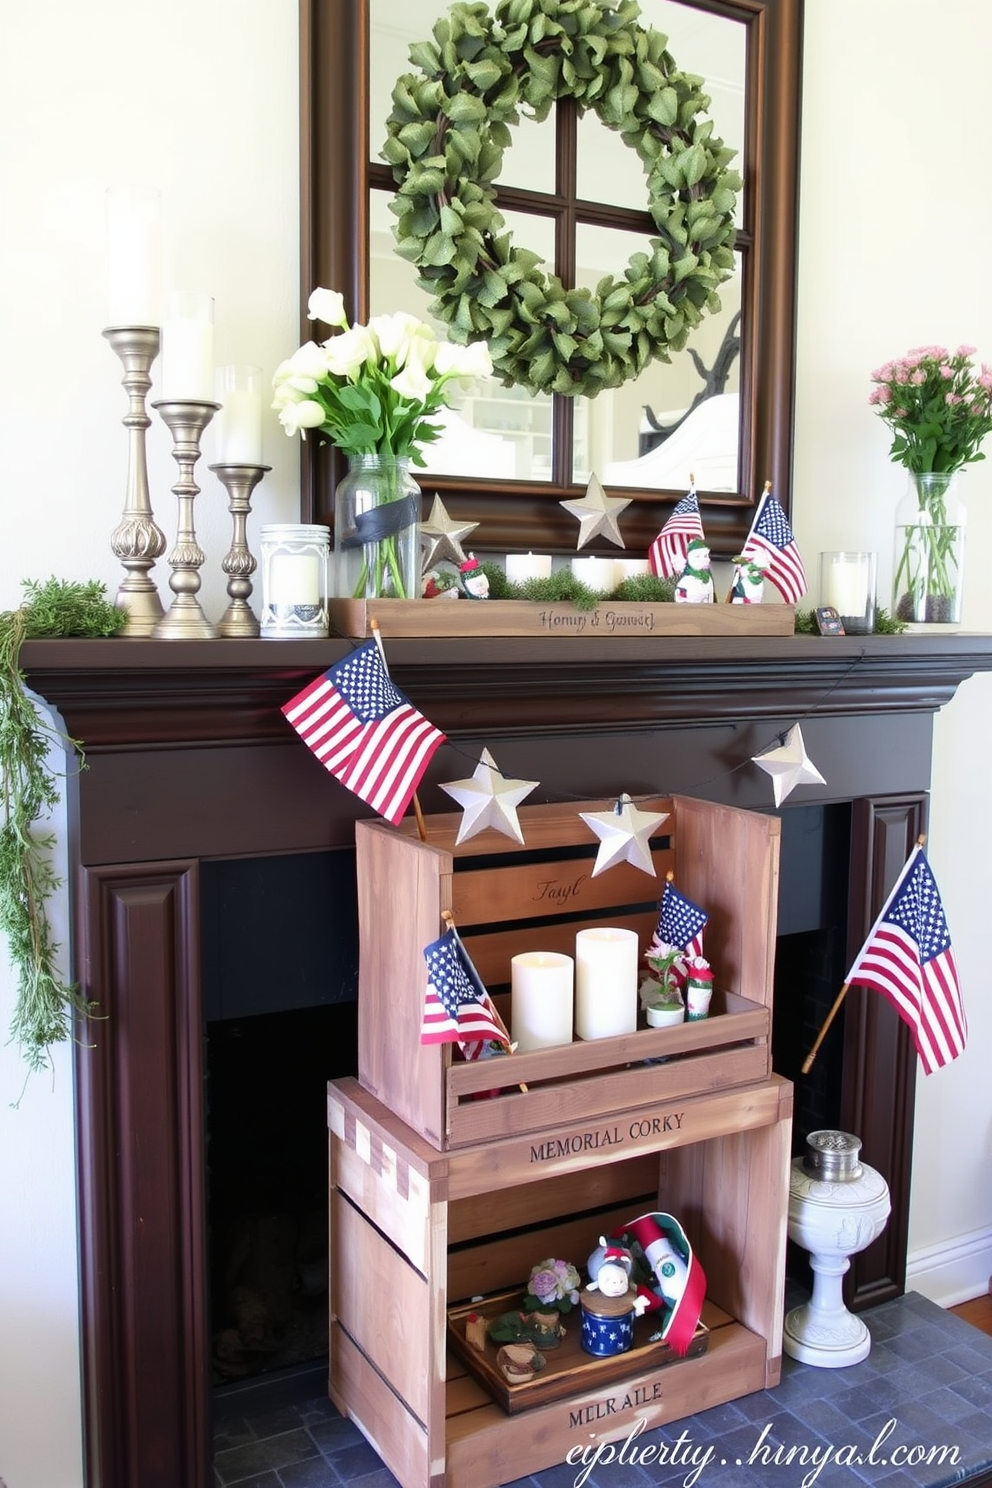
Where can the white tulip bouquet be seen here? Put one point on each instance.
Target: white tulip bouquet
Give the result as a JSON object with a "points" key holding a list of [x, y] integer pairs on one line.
{"points": [[373, 389]]}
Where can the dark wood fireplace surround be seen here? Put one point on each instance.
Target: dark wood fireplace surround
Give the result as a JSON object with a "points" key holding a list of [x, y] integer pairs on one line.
{"points": [[190, 759]]}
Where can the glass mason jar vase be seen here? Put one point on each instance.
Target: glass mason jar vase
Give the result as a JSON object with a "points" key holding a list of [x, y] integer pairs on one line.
{"points": [[928, 565], [376, 530]]}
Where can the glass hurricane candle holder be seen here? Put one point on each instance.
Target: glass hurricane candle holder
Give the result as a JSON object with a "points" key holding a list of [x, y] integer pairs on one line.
{"points": [[294, 580]]}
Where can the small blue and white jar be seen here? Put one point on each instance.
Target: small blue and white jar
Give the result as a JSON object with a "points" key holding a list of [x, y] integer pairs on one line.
{"points": [[607, 1324]]}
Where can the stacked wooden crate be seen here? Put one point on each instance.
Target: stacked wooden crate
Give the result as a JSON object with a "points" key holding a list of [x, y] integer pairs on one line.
{"points": [[439, 1195]]}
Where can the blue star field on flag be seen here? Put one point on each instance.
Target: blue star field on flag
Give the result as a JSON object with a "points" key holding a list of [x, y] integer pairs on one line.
{"points": [[681, 923]]}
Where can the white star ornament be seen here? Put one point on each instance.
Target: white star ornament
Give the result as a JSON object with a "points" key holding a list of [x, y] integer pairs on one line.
{"points": [[789, 765], [443, 538], [488, 799], [623, 835], [597, 513]]}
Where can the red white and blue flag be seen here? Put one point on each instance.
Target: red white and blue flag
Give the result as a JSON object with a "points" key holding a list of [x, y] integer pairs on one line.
{"points": [[908, 958], [667, 554], [681, 922], [457, 1007], [365, 732], [771, 540]]}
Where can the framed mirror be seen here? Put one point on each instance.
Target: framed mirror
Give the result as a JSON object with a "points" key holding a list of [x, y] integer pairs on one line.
{"points": [[570, 190]]}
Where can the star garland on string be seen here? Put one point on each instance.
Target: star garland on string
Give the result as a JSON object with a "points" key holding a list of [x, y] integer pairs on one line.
{"points": [[623, 835]]}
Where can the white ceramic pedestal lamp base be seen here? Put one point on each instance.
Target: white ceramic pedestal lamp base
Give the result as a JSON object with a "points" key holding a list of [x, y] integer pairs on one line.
{"points": [[833, 1219]]}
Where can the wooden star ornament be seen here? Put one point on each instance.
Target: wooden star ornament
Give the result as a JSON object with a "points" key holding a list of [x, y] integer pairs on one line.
{"points": [[489, 799], [623, 835], [788, 765], [597, 513], [443, 538]]}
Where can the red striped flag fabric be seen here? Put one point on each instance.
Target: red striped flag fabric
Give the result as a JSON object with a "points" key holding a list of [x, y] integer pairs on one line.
{"points": [[457, 1007], [365, 732], [908, 958], [668, 552], [771, 539]]}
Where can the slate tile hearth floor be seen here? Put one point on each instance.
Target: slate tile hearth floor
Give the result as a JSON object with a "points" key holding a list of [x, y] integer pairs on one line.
{"points": [[928, 1371]]}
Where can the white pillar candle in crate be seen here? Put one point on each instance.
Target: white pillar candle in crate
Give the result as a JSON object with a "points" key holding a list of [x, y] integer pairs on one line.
{"points": [[629, 568], [605, 982], [596, 573], [541, 990], [521, 566]]}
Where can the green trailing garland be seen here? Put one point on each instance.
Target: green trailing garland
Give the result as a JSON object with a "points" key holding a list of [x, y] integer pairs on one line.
{"points": [[28, 791], [447, 131]]}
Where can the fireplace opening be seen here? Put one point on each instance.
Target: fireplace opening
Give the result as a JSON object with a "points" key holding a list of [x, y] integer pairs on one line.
{"points": [[280, 974]]}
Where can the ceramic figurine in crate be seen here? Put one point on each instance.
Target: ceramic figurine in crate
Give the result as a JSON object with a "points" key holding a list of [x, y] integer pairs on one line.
{"points": [[610, 1302]]}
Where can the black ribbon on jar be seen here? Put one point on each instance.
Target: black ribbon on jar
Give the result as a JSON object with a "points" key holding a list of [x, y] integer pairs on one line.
{"points": [[383, 521]]}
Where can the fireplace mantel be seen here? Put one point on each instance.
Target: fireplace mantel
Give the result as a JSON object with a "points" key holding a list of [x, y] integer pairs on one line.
{"points": [[189, 758]]}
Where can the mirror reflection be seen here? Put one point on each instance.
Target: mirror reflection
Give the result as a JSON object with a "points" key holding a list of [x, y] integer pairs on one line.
{"points": [[678, 419]]}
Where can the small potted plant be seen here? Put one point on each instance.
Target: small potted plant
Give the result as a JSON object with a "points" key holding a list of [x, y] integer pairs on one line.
{"points": [[661, 992]]}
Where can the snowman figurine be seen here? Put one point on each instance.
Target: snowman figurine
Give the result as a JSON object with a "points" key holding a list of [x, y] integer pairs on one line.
{"points": [[695, 583], [749, 579], [473, 578]]}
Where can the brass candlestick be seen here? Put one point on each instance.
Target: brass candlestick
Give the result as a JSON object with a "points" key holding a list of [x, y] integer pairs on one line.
{"points": [[239, 620], [184, 619], [136, 540]]}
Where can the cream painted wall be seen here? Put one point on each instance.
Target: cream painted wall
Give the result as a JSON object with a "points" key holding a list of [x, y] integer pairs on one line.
{"points": [[894, 121], [199, 97]]}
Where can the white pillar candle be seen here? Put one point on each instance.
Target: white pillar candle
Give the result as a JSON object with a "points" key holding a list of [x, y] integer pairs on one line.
{"points": [[239, 423], [521, 566], [134, 256], [629, 568], [188, 349], [596, 573], [293, 579], [605, 982], [541, 987]]}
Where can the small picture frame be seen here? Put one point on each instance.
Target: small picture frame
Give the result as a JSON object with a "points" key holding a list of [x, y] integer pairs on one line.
{"points": [[828, 621]]}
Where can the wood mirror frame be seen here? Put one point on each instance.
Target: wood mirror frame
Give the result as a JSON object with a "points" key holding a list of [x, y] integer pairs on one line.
{"points": [[336, 175]]}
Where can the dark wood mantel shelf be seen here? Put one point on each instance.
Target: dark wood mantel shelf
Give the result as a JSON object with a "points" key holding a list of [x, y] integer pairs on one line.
{"points": [[190, 759], [143, 691]]}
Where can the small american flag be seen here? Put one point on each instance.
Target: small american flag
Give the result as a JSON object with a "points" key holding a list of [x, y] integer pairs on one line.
{"points": [[771, 538], [668, 552], [457, 1007], [908, 958], [365, 732], [682, 922]]}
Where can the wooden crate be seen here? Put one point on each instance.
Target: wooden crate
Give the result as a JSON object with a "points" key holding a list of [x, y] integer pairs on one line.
{"points": [[414, 1231], [507, 899], [520, 617]]}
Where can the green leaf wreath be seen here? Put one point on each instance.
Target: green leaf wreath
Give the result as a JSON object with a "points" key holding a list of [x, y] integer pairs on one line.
{"points": [[447, 131], [28, 791]]}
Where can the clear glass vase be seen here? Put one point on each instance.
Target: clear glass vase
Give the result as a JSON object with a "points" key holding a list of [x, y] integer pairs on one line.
{"points": [[376, 530], [928, 566]]}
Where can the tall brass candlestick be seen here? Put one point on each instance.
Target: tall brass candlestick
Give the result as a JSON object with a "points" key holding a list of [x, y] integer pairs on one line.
{"points": [[136, 540], [239, 620], [184, 619]]}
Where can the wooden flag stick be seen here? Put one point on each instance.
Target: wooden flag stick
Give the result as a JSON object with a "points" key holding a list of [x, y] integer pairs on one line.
{"points": [[808, 1061], [418, 813]]}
